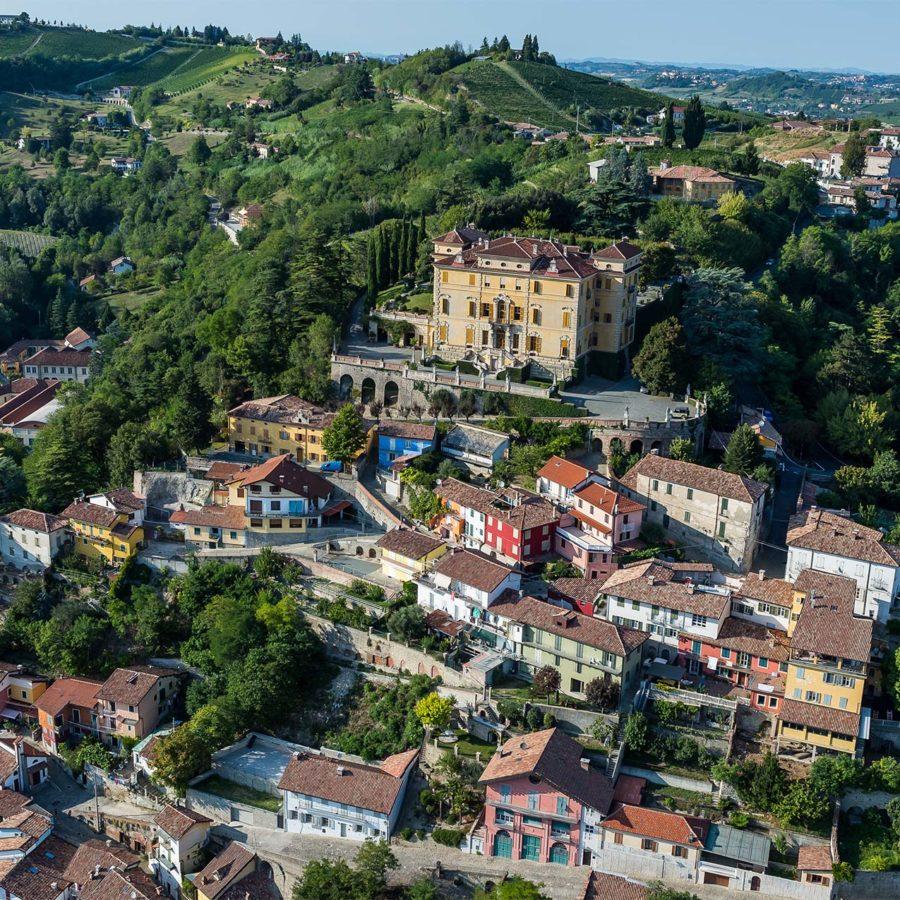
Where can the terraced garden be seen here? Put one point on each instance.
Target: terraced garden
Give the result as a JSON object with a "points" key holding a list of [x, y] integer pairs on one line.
{"points": [[206, 64], [26, 242]]}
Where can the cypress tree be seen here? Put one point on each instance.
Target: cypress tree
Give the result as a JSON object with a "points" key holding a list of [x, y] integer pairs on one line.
{"points": [[381, 262], [57, 315], [694, 123], [404, 247], [667, 133], [395, 252], [412, 248], [526, 47], [371, 270]]}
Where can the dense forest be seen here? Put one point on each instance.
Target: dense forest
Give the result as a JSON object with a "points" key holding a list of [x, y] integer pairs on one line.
{"points": [[812, 335]]}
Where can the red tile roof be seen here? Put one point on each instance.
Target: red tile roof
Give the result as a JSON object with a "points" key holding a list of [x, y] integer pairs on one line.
{"points": [[413, 431], [691, 173], [93, 853], [64, 357], [409, 543], [372, 787], [814, 858], [575, 626], [91, 514], [828, 532], [282, 471], [618, 250], [742, 636], [222, 871], [78, 336], [472, 569], [517, 507], [811, 715], [211, 517], [224, 471], [35, 521], [662, 826], [554, 757], [285, 409], [582, 590], [701, 478], [608, 500], [65, 692], [130, 686], [21, 407], [563, 471], [177, 821], [602, 886], [768, 590]]}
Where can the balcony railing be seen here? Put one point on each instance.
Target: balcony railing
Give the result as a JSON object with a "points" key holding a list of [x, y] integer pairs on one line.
{"points": [[528, 811]]}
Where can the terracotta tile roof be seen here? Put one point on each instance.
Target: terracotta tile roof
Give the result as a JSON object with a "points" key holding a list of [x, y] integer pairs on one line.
{"points": [[211, 517], [837, 588], [91, 514], [21, 348], [465, 234], [629, 789], [409, 543], [130, 686], [78, 336], [814, 858], [618, 250], [9, 763], [438, 620], [21, 407], [768, 590], [221, 871], [413, 431], [472, 569], [124, 500], [63, 357], [662, 826], [11, 803], [582, 590], [575, 626], [828, 532], [602, 886], [35, 521], [224, 471], [372, 787], [93, 853], [81, 692], [33, 879], [691, 173], [285, 409], [701, 478], [131, 885], [748, 637], [517, 507], [563, 471], [811, 715], [828, 627], [553, 757], [657, 582], [608, 500], [544, 258], [260, 885], [20, 385], [283, 472], [177, 821]]}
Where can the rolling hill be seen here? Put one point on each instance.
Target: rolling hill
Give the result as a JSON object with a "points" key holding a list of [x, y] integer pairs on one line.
{"points": [[69, 43]]}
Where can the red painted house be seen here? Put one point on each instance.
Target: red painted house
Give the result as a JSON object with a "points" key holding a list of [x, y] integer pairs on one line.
{"points": [[513, 524], [541, 798], [745, 654]]}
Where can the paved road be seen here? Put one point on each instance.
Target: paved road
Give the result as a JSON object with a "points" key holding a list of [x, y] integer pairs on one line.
{"points": [[772, 555], [608, 399]]}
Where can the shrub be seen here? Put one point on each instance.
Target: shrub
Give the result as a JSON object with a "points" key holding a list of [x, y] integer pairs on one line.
{"points": [[447, 837], [636, 731], [534, 719], [843, 871], [510, 710], [549, 720], [739, 819], [406, 833]]}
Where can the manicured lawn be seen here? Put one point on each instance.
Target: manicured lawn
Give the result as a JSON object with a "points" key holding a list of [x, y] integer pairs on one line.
{"points": [[469, 746], [419, 303], [132, 300], [239, 793]]}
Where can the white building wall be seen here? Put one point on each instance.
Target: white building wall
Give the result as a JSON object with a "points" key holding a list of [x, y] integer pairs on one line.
{"points": [[334, 819], [27, 547]]}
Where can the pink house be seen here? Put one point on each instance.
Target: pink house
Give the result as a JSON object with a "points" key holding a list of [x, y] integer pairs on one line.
{"points": [[541, 798], [599, 522]]}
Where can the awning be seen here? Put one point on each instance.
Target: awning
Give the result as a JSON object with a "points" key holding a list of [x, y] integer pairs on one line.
{"points": [[335, 508], [10, 713]]}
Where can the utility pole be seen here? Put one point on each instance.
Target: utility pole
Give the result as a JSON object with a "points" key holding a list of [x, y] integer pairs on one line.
{"points": [[96, 807]]}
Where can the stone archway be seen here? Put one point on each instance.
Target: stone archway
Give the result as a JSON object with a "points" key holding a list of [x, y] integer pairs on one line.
{"points": [[656, 445], [597, 445], [345, 386], [391, 393], [367, 391], [636, 446]]}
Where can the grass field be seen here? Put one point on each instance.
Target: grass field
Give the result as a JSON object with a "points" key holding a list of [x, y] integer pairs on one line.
{"points": [[784, 146], [132, 300], [205, 64], [26, 242], [15, 43], [145, 71], [239, 793], [888, 111], [179, 141]]}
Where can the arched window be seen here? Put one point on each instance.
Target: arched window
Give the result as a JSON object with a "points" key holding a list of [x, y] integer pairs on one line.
{"points": [[503, 845], [559, 854]]}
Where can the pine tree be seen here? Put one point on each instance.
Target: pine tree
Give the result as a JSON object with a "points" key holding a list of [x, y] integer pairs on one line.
{"points": [[381, 261], [57, 315], [526, 47], [535, 49], [667, 132], [743, 453], [371, 269], [660, 363], [694, 123]]}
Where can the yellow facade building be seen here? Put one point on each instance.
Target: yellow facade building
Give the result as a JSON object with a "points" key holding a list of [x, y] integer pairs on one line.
{"points": [[827, 668], [102, 532], [406, 554], [271, 426], [513, 300]]}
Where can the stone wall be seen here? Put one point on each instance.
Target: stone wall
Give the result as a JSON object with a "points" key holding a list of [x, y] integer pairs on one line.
{"points": [[219, 809], [351, 644]]}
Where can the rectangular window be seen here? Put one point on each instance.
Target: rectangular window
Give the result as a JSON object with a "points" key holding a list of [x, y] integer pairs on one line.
{"points": [[472, 279], [617, 838], [647, 844], [534, 801], [687, 516], [472, 309], [566, 319], [562, 806], [679, 851], [445, 306], [668, 488], [721, 529], [724, 504]]}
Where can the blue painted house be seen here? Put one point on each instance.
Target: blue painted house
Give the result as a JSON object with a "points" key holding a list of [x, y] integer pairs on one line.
{"points": [[396, 439]]}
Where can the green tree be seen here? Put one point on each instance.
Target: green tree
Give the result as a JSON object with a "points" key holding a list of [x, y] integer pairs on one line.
{"points": [[434, 711], [371, 269], [327, 879], [408, 622], [637, 731], [667, 131], [12, 485], [547, 680], [58, 468], [682, 449], [179, 757], [199, 152], [743, 453], [694, 123], [660, 364], [345, 436], [853, 157], [514, 888]]}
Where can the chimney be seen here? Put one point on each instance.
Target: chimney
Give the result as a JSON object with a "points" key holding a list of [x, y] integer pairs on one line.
{"points": [[665, 164], [762, 574], [96, 873], [585, 763]]}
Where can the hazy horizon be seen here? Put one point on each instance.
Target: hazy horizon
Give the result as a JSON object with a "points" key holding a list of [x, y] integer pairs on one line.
{"points": [[782, 34]]}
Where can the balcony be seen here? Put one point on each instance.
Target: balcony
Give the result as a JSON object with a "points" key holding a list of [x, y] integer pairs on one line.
{"points": [[527, 811]]}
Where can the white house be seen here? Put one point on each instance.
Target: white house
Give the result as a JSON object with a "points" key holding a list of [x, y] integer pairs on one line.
{"points": [[341, 798], [122, 501], [479, 447], [559, 479], [60, 365], [181, 836], [121, 265], [828, 541], [31, 539], [890, 139], [766, 601], [22, 766], [665, 599], [464, 585]]}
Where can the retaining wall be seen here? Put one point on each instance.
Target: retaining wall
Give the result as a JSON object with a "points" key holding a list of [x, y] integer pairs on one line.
{"points": [[348, 643], [219, 809], [869, 886]]}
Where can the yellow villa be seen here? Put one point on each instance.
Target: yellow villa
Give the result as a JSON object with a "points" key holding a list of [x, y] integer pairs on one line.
{"points": [[406, 554], [103, 532], [513, 300], [827, 668]]}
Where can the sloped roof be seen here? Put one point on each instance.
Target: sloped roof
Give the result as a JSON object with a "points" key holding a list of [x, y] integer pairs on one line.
{"points": [[130, 686], [95, 852], [373, 787], [553, 757], [618, 250], [222, 871], [517, 507], [653, 823], [282, 471], [603, 886], [285, 409], [830, 532], [413, 431], [563, 471], [814, 858], [211, 517], [177, 821], [409, 543], [473, 569], [91, 514], [811, 715], [768, 590], [701, 478], [34, 520], [68, 691]]}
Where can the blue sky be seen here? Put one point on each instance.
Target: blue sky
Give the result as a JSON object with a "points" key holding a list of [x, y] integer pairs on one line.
{"points": [[780, 33]]}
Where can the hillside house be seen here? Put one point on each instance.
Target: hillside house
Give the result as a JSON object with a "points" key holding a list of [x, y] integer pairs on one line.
{"points": [[31, 539]]}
